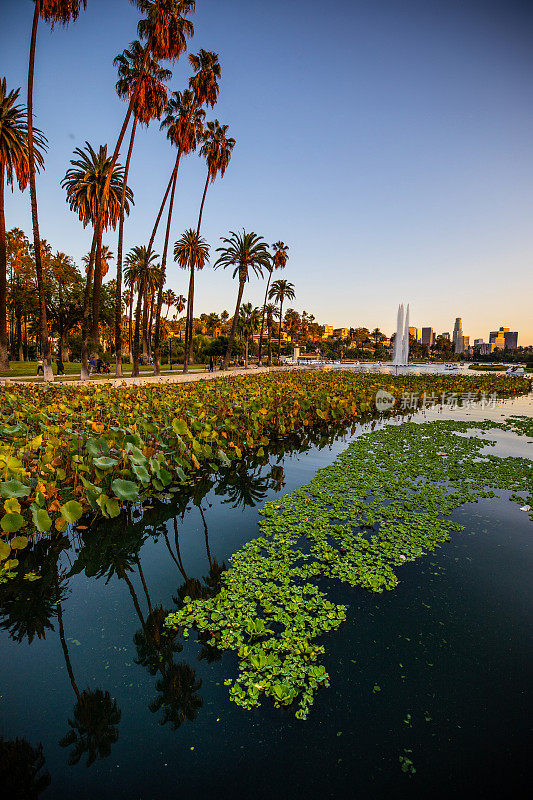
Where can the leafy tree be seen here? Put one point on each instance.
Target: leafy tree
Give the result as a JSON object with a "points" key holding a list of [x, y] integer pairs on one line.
{"points": [[245, 252]]}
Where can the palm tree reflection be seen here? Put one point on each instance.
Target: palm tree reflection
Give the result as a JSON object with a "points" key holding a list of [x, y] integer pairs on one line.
{"points": [[21, 769]]}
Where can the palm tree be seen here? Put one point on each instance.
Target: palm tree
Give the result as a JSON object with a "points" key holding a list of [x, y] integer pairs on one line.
{"points": [[244, 252], [203, 89], [166, 30], [248, 325], [376, 334], [184, 124], [279, 260], [14, 164], [94, 190], [271, 311], [279, 291], [52, 11], [131, 279], [141, 263], [191, 252], [149, 104], [169, 300]]}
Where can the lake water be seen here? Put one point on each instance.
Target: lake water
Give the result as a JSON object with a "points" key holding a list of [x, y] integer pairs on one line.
{"points": [[450, 648]]}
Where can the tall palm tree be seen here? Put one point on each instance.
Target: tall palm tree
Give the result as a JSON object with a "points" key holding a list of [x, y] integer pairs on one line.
{"points": [[248, 325], [131, 279], [279, 291], [85, 184], [184, 125], [14, 164], [204, 89], [191, 252], [244, 251], [52, 11], [149, 104], [145, 264], [169, 300], [166, 29], [271, 311], [280, 257]]}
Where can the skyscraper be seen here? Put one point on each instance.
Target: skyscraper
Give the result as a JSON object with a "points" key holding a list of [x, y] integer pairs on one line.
{"points": [[428, 337], [457, 329]]}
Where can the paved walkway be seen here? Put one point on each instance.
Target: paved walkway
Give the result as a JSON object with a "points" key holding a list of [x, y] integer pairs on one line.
{"points": [[173, 377]]}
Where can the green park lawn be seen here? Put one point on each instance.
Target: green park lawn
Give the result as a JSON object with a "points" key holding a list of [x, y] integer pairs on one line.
{"points": [[23, 369]]}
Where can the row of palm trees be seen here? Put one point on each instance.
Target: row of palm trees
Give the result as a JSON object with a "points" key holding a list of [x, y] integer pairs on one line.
{"points": [[96, 184]]}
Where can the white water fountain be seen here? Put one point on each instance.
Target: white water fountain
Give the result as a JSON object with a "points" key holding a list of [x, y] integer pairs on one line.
{"points": [[400, 357]]}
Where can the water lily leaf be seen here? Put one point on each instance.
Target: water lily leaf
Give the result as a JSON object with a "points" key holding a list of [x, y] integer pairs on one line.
{"points": [[13, 505], [41, 520], [19, 542], [179, 426], [10, 523], [125, 490], [5, 550], [14, 488], [72, 511], [104, 462], [141, 473]]}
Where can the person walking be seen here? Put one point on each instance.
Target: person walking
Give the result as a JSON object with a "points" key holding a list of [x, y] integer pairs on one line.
{"points": [[211, 364], [40, 367], [60, 366]]}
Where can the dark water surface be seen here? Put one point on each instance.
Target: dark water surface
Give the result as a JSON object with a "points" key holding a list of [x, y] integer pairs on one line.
{"points": [[450, 649]]}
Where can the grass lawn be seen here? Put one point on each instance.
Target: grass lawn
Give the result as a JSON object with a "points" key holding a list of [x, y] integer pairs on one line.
{"points": [[22, 369]]}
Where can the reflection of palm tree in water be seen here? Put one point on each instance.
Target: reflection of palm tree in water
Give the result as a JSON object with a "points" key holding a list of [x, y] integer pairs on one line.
{"points": [[21, 777], [27, 610], [96, 715]]}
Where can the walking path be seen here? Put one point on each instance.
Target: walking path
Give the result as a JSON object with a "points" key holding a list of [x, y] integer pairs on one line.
{"points": [[175, 377]]}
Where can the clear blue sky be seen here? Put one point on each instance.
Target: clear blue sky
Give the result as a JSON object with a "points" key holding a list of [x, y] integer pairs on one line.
{"points": [[388, 142]]}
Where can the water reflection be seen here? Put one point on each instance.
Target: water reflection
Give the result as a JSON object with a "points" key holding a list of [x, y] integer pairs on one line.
{"points": [[112, 550], [21, 769]]}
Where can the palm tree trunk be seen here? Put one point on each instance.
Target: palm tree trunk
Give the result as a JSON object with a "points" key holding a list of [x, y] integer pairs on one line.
{"points": [[4, 359], [188, 323], [45, 342], [130, 339], [279, 330], [97, 286], [246, 354], [263, 319], [157, 337], [163, 203], [145, 325], [84, 370], [269, 351], [135, 370], [118, 294], [234, 324], [202, 205]]}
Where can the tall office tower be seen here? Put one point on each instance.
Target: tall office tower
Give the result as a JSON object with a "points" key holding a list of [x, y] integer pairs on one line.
{"points": [[428, 337], [457, 331], [511, 340], [413, 332], [445, 335]]}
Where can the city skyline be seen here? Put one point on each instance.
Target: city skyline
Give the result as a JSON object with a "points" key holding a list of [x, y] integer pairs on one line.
{"points": [[417, 186]]}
